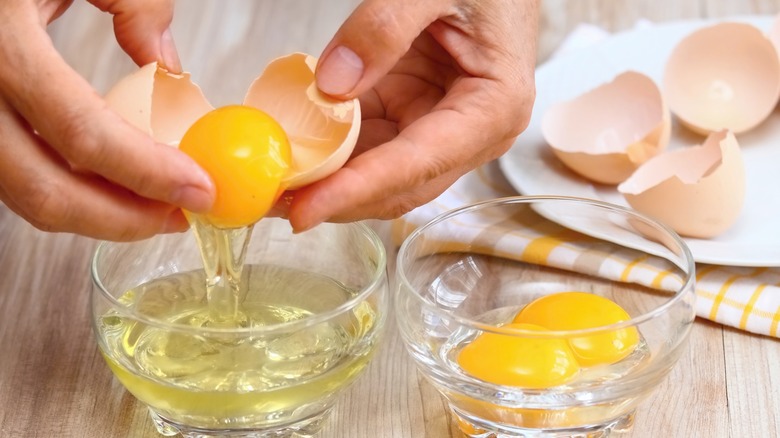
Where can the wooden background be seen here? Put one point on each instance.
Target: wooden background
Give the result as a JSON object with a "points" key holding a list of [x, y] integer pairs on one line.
{"points": [[53, 382]]}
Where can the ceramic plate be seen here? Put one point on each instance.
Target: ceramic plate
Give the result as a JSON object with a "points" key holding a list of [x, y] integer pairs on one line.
{"points": [[532, 169]]}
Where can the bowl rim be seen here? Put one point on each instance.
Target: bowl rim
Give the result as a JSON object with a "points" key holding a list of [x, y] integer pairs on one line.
{"points": [[680, 294], [378, 279]]}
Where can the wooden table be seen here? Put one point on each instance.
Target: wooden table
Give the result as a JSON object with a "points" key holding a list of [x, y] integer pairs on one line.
{"points": [[54, 383]]}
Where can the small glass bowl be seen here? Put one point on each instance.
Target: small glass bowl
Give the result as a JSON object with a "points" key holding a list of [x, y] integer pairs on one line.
{"points": [[469, 271], [314, 306]]}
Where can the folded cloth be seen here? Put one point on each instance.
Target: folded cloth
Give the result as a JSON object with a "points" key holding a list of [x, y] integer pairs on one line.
{"points": [[746, 298]]}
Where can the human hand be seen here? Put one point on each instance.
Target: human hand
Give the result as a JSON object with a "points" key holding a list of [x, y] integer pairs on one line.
{"points": [[445, 85], [67, 162]]}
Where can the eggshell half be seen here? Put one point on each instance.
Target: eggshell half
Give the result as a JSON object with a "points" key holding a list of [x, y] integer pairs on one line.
{"points": [[162, 104], [698, 191], [606, 133], [322, 131], [725, 76]]}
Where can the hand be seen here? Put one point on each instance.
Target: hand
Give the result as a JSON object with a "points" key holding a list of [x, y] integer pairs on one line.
{"points": [[67, 163], [444, 85]]}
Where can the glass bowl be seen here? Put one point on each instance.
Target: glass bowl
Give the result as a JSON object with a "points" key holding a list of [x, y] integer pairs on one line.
{"points": [[467, 274], [314, 306]]}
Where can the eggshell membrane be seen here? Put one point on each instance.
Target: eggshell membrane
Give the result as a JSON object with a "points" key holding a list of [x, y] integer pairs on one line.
{"points": [[698, 191], [606, 133], [162, 104], [725, 76], [322, 131]]}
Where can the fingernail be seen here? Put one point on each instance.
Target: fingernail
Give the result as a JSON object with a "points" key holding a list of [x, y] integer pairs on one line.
{"points": [[170, 56], [176, 223], [192, 198], [300, 228], [281, 208], [340, 72]]}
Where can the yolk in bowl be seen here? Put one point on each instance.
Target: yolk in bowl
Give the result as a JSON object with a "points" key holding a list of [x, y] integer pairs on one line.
{"points": [[582, 310], [517, 360], [538, 362], [247, 154]]}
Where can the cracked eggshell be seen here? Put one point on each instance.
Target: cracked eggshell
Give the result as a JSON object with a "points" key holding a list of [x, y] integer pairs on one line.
{"points": [[725, 76], [606, 133], [698, 191], [162, 104], [322, 131]]}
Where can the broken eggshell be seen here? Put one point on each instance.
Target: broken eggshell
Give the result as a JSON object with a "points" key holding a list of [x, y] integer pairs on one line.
{"points": [[698, 191], [606, 133], [161, 104], [724, 76], [322, 131]]}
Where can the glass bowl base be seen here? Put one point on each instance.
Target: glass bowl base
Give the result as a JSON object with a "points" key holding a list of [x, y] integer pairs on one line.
{"points": [[303, 428], [473, 427]]}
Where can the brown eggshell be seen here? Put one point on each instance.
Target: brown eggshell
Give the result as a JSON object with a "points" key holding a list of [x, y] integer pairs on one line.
{"points": [[606, 133], [725, 76], [698, 191], [322, 131], [162, 104]]}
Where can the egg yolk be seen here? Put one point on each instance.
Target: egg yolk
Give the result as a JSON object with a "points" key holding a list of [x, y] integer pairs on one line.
{"points": [[581, 310], [515, 360], [247, 154]]}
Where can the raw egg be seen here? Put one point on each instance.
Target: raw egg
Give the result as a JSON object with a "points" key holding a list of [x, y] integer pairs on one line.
{"points": [[517, 360], [247, 154], [606, 133], [699, 191], [724, 76], [581, 310], [322, 132]]}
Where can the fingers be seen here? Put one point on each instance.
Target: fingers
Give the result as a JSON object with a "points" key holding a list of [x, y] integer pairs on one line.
{"points": [[371, 41], [478, 56], [40, 187], [142, 30], [403, 173], [69, 115]]}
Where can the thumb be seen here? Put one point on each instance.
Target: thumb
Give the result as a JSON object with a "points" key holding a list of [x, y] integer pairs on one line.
{"points": [[370, 43], [142, 30]]}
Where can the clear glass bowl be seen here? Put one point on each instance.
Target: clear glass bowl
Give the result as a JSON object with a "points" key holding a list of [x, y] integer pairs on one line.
{"points": [[468, 272], [314, 305]]}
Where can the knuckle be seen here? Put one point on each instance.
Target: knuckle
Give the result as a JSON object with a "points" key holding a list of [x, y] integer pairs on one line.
{"points": [[521, 106], [399, 207], [387, 25], [82, 148], [45, 207], [435, 166]]}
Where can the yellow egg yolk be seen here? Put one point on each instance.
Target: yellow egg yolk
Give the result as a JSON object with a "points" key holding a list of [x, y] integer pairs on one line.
{"points": [[581, 310], [247, 154], [517, 360]]}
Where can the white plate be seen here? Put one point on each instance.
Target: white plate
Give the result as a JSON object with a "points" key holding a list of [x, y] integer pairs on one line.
{"points": [[532, 169]]}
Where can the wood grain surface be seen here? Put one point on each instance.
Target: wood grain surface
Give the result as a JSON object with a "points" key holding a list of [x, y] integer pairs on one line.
{"points": [[54, 383]]}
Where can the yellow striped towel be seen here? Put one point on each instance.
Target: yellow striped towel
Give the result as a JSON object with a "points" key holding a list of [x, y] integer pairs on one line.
{"points": [[746, 298]]}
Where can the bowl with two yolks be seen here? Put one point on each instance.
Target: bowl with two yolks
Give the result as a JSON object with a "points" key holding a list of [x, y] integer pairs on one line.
{"points": [[527, 325]]}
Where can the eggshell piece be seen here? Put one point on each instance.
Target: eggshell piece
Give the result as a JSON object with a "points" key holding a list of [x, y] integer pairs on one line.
{"points": [[322, 131], [162, 104], [725, 76], [606, 133], [698, 191]]}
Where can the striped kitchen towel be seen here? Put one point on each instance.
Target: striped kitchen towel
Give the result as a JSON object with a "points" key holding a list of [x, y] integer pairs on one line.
{"points": [[746, 298]]}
